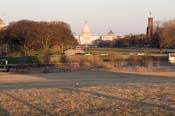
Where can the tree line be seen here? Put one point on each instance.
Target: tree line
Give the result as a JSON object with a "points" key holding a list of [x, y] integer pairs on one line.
{"points": [[25, 35], [167, 34], [139, 40], [163, 37]]}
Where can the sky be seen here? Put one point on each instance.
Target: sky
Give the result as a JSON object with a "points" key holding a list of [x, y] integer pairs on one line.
{"points": [[121, 16]]}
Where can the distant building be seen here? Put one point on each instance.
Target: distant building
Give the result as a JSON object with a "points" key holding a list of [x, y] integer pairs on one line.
{"points": [[110, 36], [150, 28], [86, 38]]}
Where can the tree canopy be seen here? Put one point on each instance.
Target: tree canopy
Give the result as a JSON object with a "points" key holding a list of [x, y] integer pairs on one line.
{"points": [[26, 35], [167, 34]]}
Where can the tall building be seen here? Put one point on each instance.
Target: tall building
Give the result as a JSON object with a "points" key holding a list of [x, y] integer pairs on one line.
{"points": [[150, 27], [86, 37]]}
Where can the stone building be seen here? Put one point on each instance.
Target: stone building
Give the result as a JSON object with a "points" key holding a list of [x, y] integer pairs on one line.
{"points": [[110, 36], [86, 37]]}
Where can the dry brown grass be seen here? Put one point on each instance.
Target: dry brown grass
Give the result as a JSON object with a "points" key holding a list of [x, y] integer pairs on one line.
{"points": [[131, 95], [111, 100]]}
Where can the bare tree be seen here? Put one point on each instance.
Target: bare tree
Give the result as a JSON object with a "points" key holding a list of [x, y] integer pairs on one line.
{"points": [[26, 35], [167, 35]]}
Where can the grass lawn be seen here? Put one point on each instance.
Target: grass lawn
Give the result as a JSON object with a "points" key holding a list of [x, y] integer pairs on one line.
{"points": [[124, 51]]}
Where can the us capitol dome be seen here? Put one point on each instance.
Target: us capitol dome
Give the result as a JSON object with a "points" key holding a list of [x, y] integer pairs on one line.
{"points": [[86, 37], [86, 30]]}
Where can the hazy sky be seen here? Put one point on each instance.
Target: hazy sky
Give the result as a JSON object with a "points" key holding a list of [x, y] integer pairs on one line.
{"points": [[122, 16]]}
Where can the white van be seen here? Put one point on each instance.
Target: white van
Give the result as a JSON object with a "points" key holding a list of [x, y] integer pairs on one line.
{"points": [[172, 58]]}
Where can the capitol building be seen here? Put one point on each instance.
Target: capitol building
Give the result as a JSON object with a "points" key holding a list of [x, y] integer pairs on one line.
{"points": [[86, 37]]}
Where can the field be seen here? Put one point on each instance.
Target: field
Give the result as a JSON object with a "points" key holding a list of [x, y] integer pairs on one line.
{"points": [[87, 94]]}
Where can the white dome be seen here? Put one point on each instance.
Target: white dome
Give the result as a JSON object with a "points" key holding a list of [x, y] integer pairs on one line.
{"points": [[86, 30]]}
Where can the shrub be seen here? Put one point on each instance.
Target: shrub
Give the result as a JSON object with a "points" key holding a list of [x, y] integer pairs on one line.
{"points": [[22, 60], [63, 59]]}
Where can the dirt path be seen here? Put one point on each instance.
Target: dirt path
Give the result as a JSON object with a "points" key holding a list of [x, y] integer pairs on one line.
{"points": [[16, 78]]}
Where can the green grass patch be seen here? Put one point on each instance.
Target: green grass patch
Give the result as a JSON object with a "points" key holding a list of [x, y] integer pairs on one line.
{"points": [[125, 51]]}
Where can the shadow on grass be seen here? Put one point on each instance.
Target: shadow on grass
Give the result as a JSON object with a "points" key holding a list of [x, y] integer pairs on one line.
{"points": [[94, 111], [140, 103], [4, 112], [43, 112]]}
